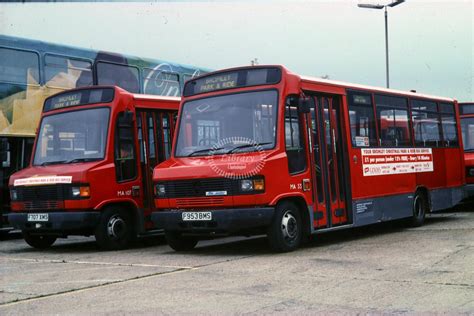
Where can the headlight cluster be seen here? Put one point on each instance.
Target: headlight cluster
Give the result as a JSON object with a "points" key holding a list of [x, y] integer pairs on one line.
{"points": [[160, 190], [252, 185], [13, 195], [78, 192]]}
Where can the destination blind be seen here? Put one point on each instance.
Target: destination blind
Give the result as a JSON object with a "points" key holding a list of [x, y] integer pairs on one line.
{"points": [[233, 79], [79, 97]]}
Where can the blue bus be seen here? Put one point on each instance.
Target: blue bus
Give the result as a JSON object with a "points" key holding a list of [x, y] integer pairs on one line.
{"points": [[32, 70]]}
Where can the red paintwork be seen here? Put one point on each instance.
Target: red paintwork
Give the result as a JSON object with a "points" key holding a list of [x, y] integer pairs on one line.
{"points": [[448, 162], [100, 176]]}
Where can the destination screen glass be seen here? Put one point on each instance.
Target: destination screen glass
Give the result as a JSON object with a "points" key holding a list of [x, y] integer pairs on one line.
{"points": [[233, 79], [79, 97]]}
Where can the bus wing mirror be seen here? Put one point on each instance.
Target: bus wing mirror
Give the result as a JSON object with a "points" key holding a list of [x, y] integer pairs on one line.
{"points": [[303, 105]]}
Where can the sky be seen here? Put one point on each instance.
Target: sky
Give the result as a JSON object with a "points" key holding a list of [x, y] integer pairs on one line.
{"points": [[431, 42]]}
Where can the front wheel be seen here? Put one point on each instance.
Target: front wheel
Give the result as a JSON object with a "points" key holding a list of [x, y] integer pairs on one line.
{"points": [[419, 209], [39, 241], [115, 230], [180, 243], [285, 232]]}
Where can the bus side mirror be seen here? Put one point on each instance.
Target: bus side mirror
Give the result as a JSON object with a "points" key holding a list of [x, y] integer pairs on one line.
{"points": [[303, 105]]}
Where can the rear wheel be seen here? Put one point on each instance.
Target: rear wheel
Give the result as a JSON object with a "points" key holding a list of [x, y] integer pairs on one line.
{"points": [[115, 230], [39, 241], [285, 232], [419, 210], [178, 242]]}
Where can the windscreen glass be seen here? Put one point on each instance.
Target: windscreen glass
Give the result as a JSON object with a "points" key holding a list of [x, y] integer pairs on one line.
{"points": [[225, 124], [77, 136], [467, 129]]}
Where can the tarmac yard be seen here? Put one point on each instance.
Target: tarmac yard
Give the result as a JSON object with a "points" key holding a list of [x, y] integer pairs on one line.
{"points": [[383, 268]]}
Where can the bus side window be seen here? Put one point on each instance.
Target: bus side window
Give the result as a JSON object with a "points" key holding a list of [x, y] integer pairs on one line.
{"points": [[125, 161], [158, 82], [426, 123], [294, 138], [126, 77], [362, 120], [392, 115], [67, 72], [448, 124]]}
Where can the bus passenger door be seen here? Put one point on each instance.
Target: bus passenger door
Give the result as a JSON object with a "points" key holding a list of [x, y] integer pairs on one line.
{"points": [[328, 161], [154, 135]]}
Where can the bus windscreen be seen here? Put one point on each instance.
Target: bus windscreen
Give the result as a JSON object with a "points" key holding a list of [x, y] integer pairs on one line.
{"points": [[233, 79], [79, 97]]}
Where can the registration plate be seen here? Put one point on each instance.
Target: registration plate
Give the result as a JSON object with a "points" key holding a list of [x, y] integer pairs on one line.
{"points": [[38, 217], [197, 216]]}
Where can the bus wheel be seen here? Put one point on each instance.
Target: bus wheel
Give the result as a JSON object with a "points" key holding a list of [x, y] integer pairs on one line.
{"points": [[419, 207], [39, 241], [285, 232], [115, 230], [180, 243]]}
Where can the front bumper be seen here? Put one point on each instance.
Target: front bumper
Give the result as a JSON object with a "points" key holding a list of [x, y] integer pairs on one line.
{"points": [[57, 221], [224, 221]]}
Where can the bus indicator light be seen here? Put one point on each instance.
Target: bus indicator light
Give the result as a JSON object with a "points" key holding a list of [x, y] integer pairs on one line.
{"points": [[259, 184], [306, 185]]}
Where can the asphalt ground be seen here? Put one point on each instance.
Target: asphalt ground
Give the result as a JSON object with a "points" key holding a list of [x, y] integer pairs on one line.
{"points": [[385, 268]]}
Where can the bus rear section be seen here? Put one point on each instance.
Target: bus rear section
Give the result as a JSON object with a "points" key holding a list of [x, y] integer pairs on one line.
{"points": [[260, 150], [466, 113], [91, 168]]}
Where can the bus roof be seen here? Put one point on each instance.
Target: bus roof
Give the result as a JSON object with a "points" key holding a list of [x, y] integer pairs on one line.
{"points": [[378, 89], [137, 96], [53, 48]]}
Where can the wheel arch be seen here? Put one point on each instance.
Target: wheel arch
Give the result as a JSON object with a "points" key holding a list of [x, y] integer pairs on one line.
{"points": [[300, 203], [128, 206], [422, 190]]}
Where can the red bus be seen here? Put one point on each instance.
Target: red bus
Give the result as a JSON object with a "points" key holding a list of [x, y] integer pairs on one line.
{"points": [[91, 168], [262, 150], [466, 113]]}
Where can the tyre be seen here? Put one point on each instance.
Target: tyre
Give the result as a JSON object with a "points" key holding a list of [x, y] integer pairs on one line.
{"points": [[39, 241], [115, 230], [419, 210], [180, 243], [285, 232]]}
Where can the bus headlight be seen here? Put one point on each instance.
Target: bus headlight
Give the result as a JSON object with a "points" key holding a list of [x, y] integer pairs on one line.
{"points": [[160, 190], [246, 185], [252, 185], [13, 195], [80, 192]]}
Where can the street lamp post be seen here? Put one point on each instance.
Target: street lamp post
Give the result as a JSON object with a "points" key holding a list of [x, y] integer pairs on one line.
{"points": [[378, 7]]}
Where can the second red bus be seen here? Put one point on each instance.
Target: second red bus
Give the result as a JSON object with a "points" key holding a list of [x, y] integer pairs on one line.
{"points": [[261, 150]]}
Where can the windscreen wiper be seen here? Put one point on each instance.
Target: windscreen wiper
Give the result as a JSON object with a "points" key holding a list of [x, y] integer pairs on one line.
{"points": [[256, 145], [204, 150], [82, 160], [53, 162]]}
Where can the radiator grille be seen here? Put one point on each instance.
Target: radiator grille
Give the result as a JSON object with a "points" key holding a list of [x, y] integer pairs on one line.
{"points": [[40, 193], [199, 187], [199, 202]]}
